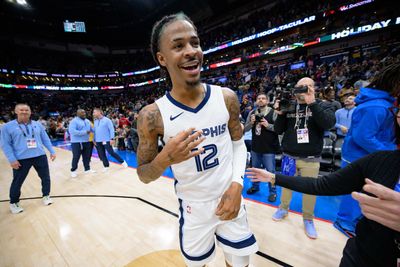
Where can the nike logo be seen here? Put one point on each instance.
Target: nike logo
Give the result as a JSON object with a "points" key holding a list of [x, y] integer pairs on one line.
{"points": [[173, 118]]}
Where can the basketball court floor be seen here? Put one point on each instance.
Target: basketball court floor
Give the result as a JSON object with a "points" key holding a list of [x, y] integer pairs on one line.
{"points": [[112, 219]]}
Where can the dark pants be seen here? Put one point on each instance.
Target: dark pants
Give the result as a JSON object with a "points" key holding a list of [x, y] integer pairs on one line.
{"points": [[267, 161], [121, 143], [91, 151], [101, 149], [351, 256], [42, 168], [79, 149]]}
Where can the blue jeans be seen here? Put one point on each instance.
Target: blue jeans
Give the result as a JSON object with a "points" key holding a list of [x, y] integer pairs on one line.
{"points": [[349, 211], [42, 168], [267, 161]]}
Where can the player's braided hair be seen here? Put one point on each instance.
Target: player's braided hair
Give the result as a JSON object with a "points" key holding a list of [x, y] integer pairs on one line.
{"points": [[156, 33], [388, 79]]}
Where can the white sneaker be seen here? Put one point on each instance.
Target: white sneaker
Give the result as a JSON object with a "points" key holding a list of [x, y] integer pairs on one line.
{"points": [[105, 169], [15, 208], [90, 171], [74, 174], [124, 164], [47, 200]]}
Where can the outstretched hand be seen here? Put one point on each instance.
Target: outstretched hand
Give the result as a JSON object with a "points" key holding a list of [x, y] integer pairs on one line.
{"points": [[258, 175]]}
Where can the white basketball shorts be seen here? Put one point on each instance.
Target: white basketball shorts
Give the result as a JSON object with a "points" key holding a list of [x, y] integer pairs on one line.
{"points": [[199, 227]]}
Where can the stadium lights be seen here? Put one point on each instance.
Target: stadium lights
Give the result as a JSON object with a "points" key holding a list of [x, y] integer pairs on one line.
{"points": [[22, 2]]}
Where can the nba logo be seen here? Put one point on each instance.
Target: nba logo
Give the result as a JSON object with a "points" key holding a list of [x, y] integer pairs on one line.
{"points": [[189, 209]]}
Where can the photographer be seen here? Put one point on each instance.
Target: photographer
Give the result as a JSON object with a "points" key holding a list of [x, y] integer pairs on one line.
{"points": [[302, 122], [264, 143]]}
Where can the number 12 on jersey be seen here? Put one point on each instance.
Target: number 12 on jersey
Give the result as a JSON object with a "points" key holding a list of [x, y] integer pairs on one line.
{"points": [[209, 161]]}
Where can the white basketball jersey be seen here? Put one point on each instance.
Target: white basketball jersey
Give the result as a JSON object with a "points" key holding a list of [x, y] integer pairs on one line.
{"points": [[207, 176]]}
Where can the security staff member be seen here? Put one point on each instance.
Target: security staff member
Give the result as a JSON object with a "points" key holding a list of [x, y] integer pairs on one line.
{"points": [[22, 141], [79, 130], [104, 134]]}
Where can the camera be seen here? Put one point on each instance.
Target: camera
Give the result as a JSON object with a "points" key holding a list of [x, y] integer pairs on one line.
{"points": [[300, 89], [259, 117], [287, 97]]}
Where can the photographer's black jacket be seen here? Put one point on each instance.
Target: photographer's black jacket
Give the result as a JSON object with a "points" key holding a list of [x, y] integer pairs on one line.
{"points": [[267, 142], [321, 118]]}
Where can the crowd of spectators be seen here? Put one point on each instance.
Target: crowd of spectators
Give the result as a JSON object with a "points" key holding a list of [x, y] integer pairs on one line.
{"points": [[334, 81]]}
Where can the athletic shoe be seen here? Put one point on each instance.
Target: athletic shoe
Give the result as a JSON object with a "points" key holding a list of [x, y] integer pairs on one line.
{"points": [[74, 174], [252, 190], [343, 230], [15, 208], [124, 164], [309, 228], [90, 171], [272, 197], [105, 169], [279, 215], [47, 200]]}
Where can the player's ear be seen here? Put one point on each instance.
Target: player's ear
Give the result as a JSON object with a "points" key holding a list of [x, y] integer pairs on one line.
{"points": [[161, 59]]}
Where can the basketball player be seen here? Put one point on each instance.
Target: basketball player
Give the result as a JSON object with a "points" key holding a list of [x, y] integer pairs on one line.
{"points": [[208, 176]]}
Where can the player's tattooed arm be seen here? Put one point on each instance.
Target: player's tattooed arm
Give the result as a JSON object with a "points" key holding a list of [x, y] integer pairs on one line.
{"points": [[232, 104], [150, 127]]}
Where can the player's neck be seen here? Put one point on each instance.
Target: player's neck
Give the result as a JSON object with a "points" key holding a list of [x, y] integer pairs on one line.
{"points": [[188, 95]]}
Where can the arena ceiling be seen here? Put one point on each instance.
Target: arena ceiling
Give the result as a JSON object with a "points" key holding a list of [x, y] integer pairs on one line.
{"points": [[108, 22]]}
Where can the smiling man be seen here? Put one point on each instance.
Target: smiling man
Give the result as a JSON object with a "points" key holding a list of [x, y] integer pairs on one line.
{"points": [[22, 141], [208, 160]]}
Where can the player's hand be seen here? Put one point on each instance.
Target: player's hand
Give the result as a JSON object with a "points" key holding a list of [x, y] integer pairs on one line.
{"points": [[53, 157], [15, 165], [229, 206], [264, 122], [384, 208], [252, 119], [182, 146], [258, 175]]}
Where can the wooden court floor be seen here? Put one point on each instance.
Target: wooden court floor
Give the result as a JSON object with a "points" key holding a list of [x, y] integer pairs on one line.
{"points": [[112, 219]]}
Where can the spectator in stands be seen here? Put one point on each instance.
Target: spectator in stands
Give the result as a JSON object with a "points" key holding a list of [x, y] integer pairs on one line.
{"points": [[343, 117], [372, 130], [303, 132], [330, 95], [264, 143], [123, 121]]}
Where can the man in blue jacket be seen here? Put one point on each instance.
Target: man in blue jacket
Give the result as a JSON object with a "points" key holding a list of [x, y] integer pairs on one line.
{"points": [[344, 115], [104, 134], [372, 130], [22, 141], [79, 130]]}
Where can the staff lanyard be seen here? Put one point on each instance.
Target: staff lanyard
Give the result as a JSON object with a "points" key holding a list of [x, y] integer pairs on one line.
{"points": [[298, 119], [27, 130]]}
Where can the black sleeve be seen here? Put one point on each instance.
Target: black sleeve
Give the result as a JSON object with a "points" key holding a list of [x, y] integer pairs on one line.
{"points": [[280, 124], [323, 114], [344, 181]]}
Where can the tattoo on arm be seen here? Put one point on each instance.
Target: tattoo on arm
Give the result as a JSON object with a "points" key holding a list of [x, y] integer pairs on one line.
{"points": [[232, 104], [150, 127]]}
